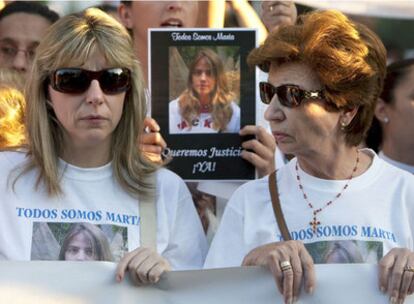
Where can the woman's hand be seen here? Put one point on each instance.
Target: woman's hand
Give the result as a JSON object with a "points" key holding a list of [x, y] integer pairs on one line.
{"points": [[144, 265], [276, 256], [262, 149], [152, 144], [396, 273]]}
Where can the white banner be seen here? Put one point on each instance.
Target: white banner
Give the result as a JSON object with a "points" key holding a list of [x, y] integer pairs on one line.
{"points": [[94, 282]]}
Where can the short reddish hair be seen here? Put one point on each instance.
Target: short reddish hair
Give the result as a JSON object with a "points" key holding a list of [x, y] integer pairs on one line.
{"points": [[349, 59]]}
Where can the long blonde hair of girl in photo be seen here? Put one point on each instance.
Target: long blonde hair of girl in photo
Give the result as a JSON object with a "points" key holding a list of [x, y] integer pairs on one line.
{"points": [[220, 99]]}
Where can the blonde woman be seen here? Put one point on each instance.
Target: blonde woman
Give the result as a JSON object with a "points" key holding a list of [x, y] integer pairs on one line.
{"points": [[207, 105], [391, 133], [86, 105]]}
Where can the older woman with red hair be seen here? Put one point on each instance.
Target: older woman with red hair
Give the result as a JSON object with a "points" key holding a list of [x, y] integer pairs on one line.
{"points": [[325, 76]]}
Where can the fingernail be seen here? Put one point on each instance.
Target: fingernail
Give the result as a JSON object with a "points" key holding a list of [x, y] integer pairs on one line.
{"points": [[310, 290], [289, 301], [393, 300], [156, 125], [382, 288], [119, 278]]}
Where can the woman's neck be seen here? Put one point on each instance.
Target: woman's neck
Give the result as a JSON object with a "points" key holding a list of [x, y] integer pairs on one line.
{"points": [[87, 156], [337, 163], [399, 151], [205, 100]]}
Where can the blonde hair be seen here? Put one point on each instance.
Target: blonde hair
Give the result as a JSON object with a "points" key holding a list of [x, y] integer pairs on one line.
{"points": [[221, 98], [69, 43], [348, 58], [12, 105]]}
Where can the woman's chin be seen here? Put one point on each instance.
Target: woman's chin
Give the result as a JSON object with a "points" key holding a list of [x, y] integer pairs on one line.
{"points": [[285, 147]]}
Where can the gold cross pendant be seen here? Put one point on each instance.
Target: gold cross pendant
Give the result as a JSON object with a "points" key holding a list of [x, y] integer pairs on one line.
{"points": [[314, 224]]}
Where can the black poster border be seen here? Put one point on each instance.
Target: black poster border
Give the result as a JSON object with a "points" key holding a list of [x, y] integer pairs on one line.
{"points": [[198, 157]]}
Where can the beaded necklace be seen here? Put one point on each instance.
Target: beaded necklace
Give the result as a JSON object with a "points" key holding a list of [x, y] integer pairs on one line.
{"points": [[206, 108], [315, 222]]}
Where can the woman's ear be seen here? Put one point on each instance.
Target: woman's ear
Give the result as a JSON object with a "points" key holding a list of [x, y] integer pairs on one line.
{"points": [[125, 15], [347, 116], [381, 111]]}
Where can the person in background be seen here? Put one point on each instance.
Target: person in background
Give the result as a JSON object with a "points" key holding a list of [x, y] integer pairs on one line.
{"points": [[139, 16], [240, 13], [22, 25], [392, 130], [277, 13], [85, 242], [85, 109], [325, 76]]}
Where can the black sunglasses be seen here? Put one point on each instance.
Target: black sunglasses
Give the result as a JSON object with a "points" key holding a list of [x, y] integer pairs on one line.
{"points": [[289, 95], [77, 81]]}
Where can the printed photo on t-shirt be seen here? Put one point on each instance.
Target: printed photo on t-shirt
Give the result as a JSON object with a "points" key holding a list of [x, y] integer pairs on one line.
{"points": [[345, 251], [78, 242]]}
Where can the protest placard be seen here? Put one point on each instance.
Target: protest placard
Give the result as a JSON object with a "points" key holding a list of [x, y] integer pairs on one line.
{"points": [[202, 94]]}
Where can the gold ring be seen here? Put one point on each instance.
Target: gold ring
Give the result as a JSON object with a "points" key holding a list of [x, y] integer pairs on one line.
{"points": [[285, 266], [409, 268]]}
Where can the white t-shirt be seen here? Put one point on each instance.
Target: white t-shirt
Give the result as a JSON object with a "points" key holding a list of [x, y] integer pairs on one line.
{"points": [[31, 221], [203, 124], [373, 215]]}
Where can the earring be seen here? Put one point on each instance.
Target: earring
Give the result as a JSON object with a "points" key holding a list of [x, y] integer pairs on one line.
{"points": [[343, 125], [386, 119]]}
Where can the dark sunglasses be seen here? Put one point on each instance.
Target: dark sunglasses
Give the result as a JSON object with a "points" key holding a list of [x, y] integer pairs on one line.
{"points": [[289, 95], [77, 81]]}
